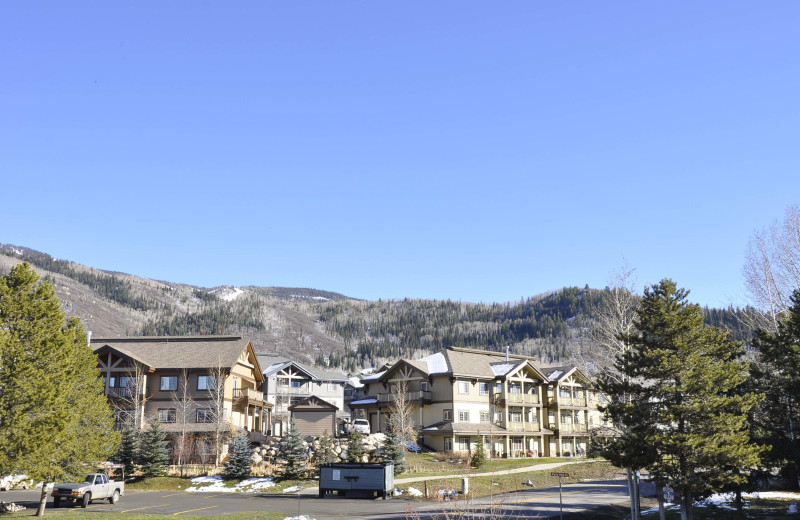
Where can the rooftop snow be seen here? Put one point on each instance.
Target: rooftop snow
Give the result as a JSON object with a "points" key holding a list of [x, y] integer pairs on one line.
{"points": [[356, 382], [373, 376], [503, 368], [364, 401], [437, 364], [555, 375]]}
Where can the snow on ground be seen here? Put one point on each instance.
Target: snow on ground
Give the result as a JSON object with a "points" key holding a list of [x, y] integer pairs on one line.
{"points": [[292, 489], [215, 484], [303, 517], [230, 296], [414, 492], [725, 500], [9, 481]]}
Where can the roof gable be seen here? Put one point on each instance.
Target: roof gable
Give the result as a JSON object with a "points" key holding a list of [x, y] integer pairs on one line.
{"points": [[313, 403]]}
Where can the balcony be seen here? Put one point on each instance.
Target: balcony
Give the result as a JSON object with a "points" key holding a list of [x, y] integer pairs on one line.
{"points": [[121, 393], [513, 398], [572, 428], [523, 427], [293, 390], [413, 396], [246, 396], [572, 401]]}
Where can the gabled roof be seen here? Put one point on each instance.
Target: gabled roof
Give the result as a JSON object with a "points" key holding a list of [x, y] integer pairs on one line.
{"points": [[558, 374], [178, 352], [419, 367], [313, 402], [272, 363]]}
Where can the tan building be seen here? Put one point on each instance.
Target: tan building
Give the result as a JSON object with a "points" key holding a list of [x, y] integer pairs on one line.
{"points": [[183, 382], [463, 396], [314, 417]]}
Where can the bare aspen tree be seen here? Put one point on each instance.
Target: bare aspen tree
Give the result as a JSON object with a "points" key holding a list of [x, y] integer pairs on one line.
{"points": [[184, 408], [402, 411], [772, 269], [130, 398], [216, 392], [613, 317]]}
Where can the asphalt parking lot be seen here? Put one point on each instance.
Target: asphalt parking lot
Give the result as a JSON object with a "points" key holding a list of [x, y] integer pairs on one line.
{"points": [[538, 503]]}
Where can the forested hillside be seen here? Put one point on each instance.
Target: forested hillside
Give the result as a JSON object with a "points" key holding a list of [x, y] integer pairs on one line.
{"points": [[324, 327]]}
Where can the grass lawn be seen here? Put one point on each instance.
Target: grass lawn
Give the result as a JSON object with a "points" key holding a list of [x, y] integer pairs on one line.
{"points": [[430, 464], [501, 483]]}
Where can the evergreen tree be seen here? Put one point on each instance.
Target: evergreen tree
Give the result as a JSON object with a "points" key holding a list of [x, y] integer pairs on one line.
{"points": [[54, 417], [325, 453], [153, 455], [239, 465], [292, 450], [128, 452], [685, 381], [479, 457], [777, 375], [395, 448], [355, 446]]}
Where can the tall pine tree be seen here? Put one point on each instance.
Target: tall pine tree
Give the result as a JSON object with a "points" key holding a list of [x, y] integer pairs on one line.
{"points": [[239, 464], [777, 375], [153, 455], [128, 452], [395, 448], [54, 417], [355, 446], [294, 453], [687, 412]]}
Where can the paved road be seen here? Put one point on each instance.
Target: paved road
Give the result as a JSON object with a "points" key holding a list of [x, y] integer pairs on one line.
{"points": [[524, 504]]}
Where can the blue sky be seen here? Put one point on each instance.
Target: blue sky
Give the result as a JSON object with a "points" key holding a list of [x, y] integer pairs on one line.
{"points": [[464, 150]]}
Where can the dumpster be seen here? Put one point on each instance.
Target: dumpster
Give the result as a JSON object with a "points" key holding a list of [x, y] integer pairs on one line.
{"points": [[344, 477]]}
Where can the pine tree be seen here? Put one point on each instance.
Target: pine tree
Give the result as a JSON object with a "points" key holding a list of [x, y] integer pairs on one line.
{"points": [[54, 417], [395, 449], [153, 455], [355, 446], [479, 457], [684, 381], [325, 453], [292, 450], [239, 465], [128, 452], [777, 375]]}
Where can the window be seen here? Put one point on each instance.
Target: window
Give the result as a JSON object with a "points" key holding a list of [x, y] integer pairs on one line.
{"points": [[448, 444], [517, 442], [463, 387], [447, 415], [515, 416], [483, 388], [601, 397], [423, 385], [563, 392], [463, 416], [169, 383], [515, 389], [566, 418], [331, 387], [297, 383], [205, 415], [166, 415], [463, 443], [205, 382], [485, 416], [498, 388]]}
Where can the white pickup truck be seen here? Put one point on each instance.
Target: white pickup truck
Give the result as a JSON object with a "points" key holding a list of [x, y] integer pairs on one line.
{"points": [[96, 486]]}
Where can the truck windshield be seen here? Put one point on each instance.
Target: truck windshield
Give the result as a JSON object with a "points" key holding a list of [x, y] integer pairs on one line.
{"points": [[89, 479]]}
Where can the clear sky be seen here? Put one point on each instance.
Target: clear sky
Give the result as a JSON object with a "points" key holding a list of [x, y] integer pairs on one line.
{"points": [[481, 151]]}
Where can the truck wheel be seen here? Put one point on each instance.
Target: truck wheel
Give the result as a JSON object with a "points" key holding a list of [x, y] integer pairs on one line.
{"points": [[56, 501], [86, 499], [113, 499]]}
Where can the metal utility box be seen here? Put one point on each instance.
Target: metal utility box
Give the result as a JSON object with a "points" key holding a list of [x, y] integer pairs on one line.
{"points": [[377, 477]]}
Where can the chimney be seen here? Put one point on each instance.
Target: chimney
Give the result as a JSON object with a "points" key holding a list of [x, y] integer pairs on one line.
{"points": [[506, 352], [89, 337]]}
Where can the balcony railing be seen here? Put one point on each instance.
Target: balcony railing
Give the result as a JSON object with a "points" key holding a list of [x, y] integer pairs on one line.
{"points": [[121, 393], [523, 427], [572, 401], [292, 390], [248, 394], [521, 398], [572, 428], [412, 396]]}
